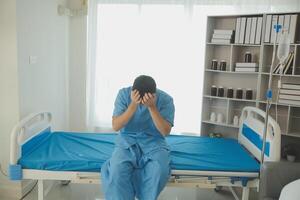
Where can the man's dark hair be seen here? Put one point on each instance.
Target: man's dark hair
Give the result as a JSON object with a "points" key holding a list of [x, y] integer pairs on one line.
{"points": [[144, 84]]}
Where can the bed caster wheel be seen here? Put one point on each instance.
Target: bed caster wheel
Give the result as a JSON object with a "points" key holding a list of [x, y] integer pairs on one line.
{"points": [[65, 182], [218, 188]]}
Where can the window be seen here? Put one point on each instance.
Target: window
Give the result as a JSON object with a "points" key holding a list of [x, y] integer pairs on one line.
{"points": [[163, 41]]}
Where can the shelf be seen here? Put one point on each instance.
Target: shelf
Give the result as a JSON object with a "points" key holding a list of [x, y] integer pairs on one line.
{"points": [[247, 45], [220, 124], [231, 99], [231, 72], [209, 43], [233, 44], [284, 75], [280, 104], [271, 44], [288, 115], [292, 134]]}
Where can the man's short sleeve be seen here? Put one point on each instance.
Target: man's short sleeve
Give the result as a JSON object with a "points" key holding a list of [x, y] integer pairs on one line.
{"points": [[167, 110], [120, 103]]}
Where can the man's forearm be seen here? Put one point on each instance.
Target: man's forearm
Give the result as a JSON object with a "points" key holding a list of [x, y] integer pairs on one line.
{"points": [[161, 124], [121, 120]]}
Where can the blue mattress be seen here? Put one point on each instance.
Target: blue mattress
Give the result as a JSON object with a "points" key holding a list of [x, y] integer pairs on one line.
{"points": [[65, 151]]}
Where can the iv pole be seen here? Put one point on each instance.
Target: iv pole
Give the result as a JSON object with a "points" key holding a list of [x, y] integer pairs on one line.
{"points": [[269, 94]]}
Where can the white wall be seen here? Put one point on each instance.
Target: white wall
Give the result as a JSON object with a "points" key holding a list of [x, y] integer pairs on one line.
{"points": [[41, 32], [9, 104], [77, 69]]}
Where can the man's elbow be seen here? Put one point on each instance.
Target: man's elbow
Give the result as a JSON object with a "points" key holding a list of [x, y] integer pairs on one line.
{"points": [[115, 126], [166, 131]]}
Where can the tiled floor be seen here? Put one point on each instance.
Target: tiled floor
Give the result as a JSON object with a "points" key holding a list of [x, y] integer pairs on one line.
{"points": [[93, 192]]}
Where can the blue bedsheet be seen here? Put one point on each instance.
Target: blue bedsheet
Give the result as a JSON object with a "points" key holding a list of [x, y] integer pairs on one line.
{"points": [[63, 151]]}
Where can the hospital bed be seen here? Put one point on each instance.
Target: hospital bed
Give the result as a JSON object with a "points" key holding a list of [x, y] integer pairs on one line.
{"points": [[37, 153]]}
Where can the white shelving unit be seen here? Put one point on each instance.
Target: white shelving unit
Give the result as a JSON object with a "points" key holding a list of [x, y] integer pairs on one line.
{"points": [[288, 115]]}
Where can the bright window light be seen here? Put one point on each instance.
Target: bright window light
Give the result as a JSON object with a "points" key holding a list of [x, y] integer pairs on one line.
{"points": [[163, 41]]}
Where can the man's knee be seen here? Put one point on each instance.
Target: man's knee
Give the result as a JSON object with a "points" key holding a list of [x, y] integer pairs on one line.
{"points": [[161, 169], [120, 166]]}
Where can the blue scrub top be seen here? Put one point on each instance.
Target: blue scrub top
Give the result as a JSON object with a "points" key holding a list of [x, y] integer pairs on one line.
{"points": [[141, 129]]}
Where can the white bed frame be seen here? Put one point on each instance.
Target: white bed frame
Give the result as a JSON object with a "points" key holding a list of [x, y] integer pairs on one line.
{"points": [[252, 117]]}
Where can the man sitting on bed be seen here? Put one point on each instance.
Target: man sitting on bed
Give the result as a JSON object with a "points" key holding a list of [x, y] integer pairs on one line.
{"points": [[140, 164]]}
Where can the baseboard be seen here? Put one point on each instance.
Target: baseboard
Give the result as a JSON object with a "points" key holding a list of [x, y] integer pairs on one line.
{"points": [[10, 189]]}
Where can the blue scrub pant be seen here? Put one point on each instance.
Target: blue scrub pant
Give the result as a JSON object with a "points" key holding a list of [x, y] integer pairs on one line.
{"points": [[130, 173]]}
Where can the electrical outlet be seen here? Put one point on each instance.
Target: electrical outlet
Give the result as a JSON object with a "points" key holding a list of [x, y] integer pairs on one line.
{"points": [[32, 60]]}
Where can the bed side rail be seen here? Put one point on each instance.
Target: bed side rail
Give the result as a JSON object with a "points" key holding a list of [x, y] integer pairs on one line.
{"points": [[251, 133], [27, 128]]}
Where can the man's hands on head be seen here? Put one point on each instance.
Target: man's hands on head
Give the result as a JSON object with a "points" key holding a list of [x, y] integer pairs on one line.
{"points": [[149, 100], [120, 121], [135, 97]]}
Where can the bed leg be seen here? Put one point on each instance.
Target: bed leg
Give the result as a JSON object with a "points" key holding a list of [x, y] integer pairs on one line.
{"points": [[245, 195], [40, 190]]}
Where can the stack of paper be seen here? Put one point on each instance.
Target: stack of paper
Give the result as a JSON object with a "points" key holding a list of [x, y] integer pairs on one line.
{"points": [[246, 67], [290, 94], [222, 36]]}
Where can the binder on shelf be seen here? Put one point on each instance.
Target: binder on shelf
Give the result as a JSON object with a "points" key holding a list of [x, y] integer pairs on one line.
{"points": [[288, 64], [268, 28], [221, 41], [242, 30], [248, 30], [221, 31], [246, 69], [280, 22], [289, 102], [253, 30], [286, 23], [222, 36], [258, 30], [237, 30], [291, 92], [289, 97], [276, 69], [244, 64], [274, 22], [291, 86], [293, 27]]}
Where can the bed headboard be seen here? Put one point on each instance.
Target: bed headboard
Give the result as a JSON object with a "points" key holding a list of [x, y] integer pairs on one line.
{"points": [[251, 134], [27, 128]]}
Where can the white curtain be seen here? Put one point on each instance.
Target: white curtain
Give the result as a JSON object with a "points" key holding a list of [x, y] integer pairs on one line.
{"points": [[163, 39]]}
